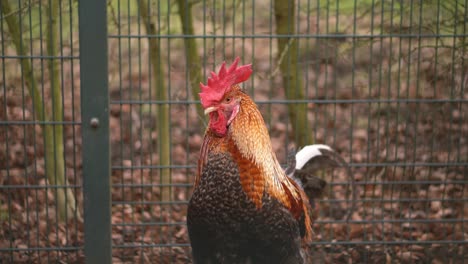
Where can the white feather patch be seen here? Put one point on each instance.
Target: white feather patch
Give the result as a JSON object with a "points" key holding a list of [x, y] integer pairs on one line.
{"points": [[309, 152]]}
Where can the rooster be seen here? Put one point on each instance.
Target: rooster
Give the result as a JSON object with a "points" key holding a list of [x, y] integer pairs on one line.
{"points": [[245, 208]]}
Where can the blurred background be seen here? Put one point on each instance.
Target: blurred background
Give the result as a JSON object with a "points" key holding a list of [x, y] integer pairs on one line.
{"points": [[382, 82]]}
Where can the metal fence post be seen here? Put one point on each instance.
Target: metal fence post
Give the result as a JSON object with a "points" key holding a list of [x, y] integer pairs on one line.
{"points": [[95, 131]]}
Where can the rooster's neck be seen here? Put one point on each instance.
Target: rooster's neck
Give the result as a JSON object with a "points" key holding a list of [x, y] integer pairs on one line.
{"points": [[259, 168], [250, 135]]}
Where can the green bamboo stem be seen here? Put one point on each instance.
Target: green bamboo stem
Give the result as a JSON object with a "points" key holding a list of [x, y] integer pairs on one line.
{"points": [[162, 95], [288, 53]]}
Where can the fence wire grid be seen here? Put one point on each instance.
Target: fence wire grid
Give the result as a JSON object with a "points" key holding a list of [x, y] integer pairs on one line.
{"points": [[100, 122]]}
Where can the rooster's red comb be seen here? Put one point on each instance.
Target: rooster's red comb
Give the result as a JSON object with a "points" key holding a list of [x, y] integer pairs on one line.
{"points": [[219, 84]]}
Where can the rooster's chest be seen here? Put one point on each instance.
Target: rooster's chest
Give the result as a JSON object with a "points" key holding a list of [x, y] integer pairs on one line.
{"points": [[226, 226], [219, 198]]}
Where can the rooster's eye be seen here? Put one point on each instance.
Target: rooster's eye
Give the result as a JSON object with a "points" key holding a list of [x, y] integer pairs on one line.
{"points": [[228, 99]]}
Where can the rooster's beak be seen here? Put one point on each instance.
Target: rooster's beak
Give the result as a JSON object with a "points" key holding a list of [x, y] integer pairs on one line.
{"points": [[210, 109]]}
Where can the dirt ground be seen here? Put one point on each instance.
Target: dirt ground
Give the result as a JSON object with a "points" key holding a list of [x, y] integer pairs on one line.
{"points": [[399, 119]]}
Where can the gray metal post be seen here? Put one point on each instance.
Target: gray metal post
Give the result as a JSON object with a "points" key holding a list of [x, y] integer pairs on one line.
{"points": [[95, 131]]}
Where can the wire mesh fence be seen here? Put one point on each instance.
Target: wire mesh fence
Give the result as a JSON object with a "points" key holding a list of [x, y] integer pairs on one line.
{"points": [[40, 156], [382, 82]]}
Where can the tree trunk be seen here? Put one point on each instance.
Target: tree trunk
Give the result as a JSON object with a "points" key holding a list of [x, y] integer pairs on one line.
{"points": [[191, 51], [53, 133], [162, 109], [288, 53]]}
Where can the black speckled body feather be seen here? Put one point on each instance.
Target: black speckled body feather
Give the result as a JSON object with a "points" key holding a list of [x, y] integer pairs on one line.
{"points": [[226, 227]]}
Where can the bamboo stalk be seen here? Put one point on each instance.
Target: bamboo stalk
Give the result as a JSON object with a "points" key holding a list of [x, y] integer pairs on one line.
{"points": [[288, 53], [162, 109]]}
